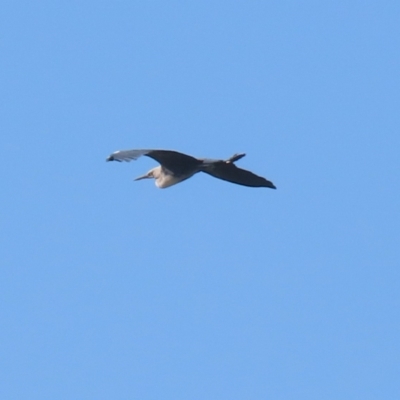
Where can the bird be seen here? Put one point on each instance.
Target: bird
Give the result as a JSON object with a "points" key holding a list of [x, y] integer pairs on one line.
{"points": [[176, 167]]}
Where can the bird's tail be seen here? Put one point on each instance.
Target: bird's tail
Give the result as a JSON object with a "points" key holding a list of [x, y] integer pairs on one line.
{"points": [[209, 162], [235, 157]]}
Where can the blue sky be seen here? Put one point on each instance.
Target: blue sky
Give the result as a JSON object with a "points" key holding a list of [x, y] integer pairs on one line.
{"points": [[114, 289]]}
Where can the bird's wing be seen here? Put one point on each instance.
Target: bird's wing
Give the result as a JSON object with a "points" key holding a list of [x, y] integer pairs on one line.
{"points": [[126, 155], [178, 163], [228, 171]]}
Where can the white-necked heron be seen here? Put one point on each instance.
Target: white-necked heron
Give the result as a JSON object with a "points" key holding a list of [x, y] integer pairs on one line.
{"points": [[176, 167]]}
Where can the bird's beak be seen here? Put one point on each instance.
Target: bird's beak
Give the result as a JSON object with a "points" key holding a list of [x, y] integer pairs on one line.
{"points": [[145, 176]]}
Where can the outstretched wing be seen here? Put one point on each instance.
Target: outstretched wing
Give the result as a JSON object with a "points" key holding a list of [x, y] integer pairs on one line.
{"points": [[178, 163], [228, 171], [126, 155]]}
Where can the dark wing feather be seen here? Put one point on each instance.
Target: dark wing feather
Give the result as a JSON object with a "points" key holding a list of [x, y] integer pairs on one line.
{"points": [[177, 163], [228, 171]]}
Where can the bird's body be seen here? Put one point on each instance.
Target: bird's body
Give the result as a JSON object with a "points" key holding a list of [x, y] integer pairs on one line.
{"points": [[176, 167], [164, 178]]}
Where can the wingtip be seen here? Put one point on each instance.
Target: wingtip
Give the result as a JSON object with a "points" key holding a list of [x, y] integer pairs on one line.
{"points": [[270, 185], [112, 158]]}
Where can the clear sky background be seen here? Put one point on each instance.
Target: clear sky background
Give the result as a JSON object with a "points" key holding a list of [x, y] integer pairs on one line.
{"points": [[114, 289]]}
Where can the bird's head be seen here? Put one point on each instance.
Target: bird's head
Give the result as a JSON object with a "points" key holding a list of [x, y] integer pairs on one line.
{"points": [[153, 173]]}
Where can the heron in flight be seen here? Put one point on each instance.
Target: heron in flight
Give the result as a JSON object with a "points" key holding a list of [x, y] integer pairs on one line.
{"points": [[176, 167]]}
